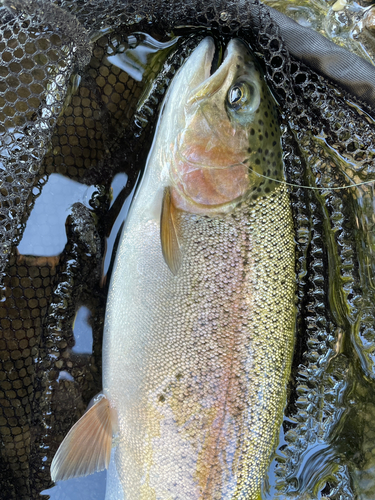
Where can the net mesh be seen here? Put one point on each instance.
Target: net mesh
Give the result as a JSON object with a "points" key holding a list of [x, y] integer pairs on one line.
{"points": [[65, 108]]}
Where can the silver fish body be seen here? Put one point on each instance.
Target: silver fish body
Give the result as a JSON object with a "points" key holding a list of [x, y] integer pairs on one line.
{"points": [[196, 364]]}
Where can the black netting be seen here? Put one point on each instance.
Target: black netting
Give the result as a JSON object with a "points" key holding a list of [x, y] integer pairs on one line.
{"points": [[65, 108], [37, 62]]}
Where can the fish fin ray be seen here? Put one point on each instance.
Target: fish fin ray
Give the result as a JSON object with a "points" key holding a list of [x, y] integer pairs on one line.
{"points": [[169, 233], [87, 446]]}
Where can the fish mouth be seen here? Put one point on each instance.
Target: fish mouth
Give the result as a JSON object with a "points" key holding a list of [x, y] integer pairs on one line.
{"points": [[217, 58], [216, 67]]}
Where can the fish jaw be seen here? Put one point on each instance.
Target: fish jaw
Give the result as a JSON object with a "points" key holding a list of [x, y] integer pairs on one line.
{"points": [[194, 71]]}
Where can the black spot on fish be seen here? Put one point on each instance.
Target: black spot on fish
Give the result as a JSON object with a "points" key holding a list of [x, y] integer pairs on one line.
{"points": [[260, 122], [267, 190], [274, 164], [266, 114], [249, 150], [274, 143], [260, 150], [266, 152], [257, 161], [252, 131]]}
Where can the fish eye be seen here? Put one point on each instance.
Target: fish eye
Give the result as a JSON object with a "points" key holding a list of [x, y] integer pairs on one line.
{"points": [[242, 97], [236, 94]]}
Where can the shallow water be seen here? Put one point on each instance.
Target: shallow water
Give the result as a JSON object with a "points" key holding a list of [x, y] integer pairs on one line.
{"points": [[45, 233], [347, 23]]}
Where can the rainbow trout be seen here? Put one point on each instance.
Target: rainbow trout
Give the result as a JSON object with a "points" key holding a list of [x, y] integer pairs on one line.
{"points": [[200, 318]]}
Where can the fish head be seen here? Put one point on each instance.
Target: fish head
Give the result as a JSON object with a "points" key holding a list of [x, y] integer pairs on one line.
{"points": [[230, 142]]}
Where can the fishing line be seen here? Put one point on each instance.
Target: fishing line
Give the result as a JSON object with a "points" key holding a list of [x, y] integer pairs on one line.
{"points": [[311, 187]]}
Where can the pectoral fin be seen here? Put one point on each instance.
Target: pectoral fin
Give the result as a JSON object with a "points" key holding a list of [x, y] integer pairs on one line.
{"points": [[169, 233], [87, 446]]}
